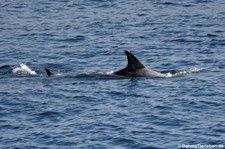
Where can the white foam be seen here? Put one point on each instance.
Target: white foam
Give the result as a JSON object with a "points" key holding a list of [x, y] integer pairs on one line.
{"points": [[195, 69], [105, 73], [183, 72], [169, 75], [109, 73], [23, 69]]}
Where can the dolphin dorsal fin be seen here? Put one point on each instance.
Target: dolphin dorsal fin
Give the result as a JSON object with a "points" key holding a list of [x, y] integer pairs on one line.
{"points": [[133, 62], [49, 73]]}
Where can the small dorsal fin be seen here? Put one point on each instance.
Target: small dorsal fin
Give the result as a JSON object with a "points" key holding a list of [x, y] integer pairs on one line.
{"points": [[48, 71], [133, 62]]}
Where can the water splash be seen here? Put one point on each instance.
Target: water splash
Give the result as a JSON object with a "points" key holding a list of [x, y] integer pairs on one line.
{"points": [[179, 73], [23, 69], [110, 73]]}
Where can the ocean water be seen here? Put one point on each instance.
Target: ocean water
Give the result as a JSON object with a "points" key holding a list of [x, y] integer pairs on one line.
{"points": [[77, 109]]}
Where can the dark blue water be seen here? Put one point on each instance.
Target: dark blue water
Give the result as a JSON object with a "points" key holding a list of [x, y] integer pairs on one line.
{"points": [[76, 38]]}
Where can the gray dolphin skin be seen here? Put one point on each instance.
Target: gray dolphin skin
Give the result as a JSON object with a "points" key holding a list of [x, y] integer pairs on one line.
{"points": [[136, 69]]}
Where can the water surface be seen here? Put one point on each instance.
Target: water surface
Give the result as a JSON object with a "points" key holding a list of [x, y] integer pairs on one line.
{"points": [[74, 38]]}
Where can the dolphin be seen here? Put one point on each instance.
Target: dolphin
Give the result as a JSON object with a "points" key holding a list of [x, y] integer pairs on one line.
{"points": [[136, 69]]}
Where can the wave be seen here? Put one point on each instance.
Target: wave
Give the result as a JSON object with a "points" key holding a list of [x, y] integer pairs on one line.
{"points": [[6, 69]]}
